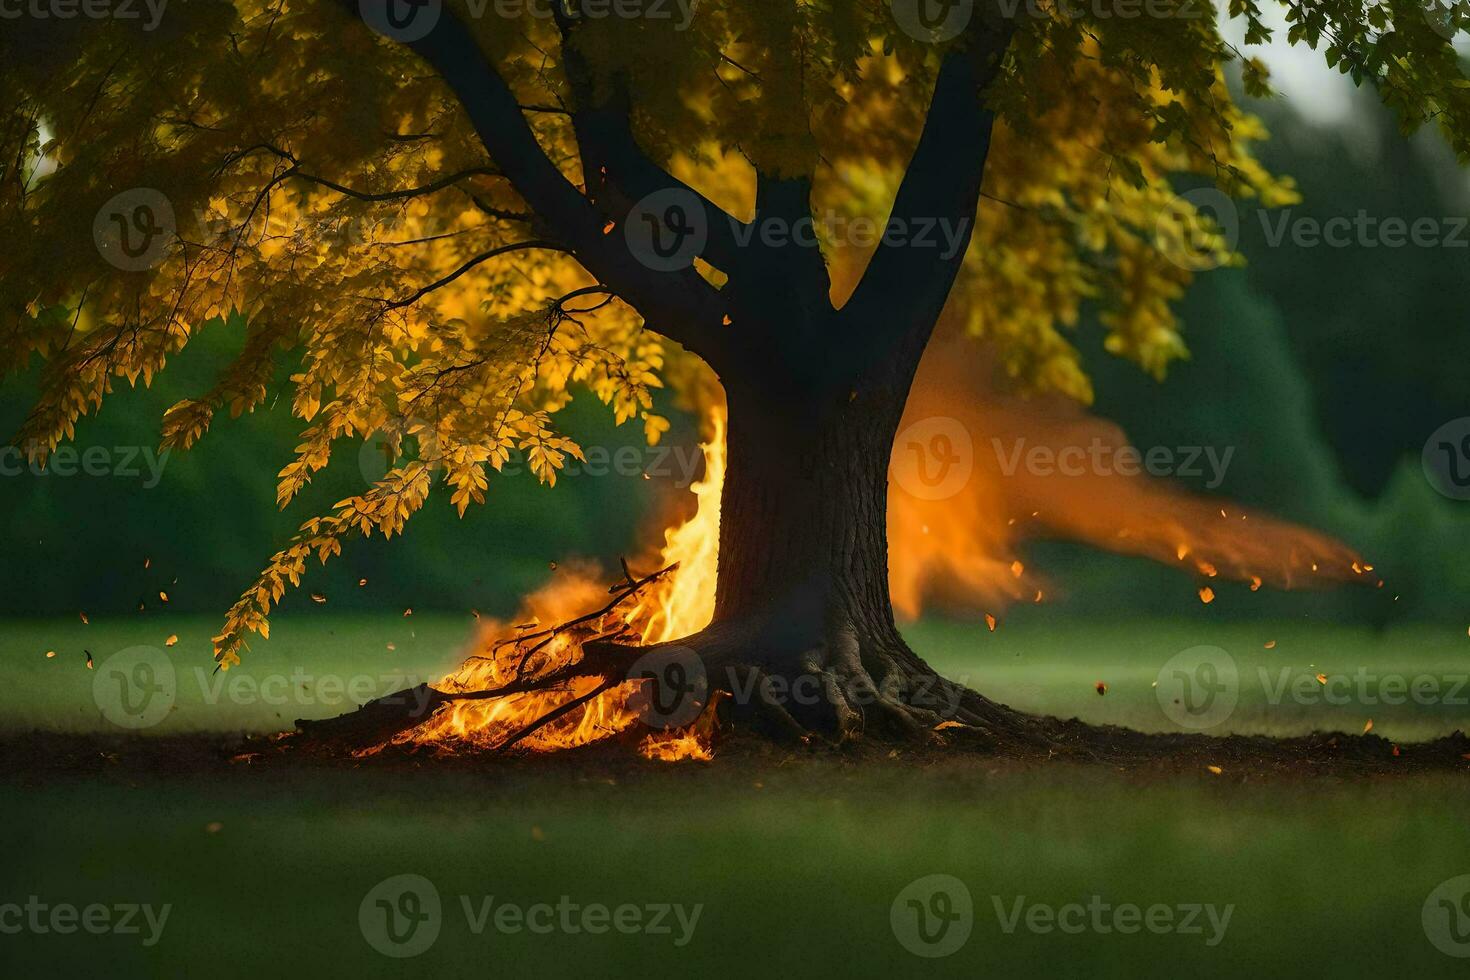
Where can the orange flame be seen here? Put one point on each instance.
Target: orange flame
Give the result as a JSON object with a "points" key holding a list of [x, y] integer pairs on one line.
{"points": [[954, 549], [958, 548], [672, 607]]}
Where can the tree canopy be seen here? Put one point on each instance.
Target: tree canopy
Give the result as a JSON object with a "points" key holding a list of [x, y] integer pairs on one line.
{"points": [[450, 272]]}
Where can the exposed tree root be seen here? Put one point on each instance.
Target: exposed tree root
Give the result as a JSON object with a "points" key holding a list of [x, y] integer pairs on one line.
{"points": [[850, 691]]}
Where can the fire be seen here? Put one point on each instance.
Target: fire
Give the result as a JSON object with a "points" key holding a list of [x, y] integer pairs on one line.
{"points": [[672, 607], [958, 551]]}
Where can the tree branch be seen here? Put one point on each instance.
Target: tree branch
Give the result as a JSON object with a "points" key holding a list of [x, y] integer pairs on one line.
{"points": [[905, 283], [679, 305], [612, 161]]}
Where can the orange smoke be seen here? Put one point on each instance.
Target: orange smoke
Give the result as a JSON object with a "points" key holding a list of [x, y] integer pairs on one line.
{"points": [[975, 473], [961, 500]]}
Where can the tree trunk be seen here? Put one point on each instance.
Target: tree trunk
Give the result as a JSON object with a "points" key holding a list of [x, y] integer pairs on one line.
{"points": [[803, 536], [802, 595]]}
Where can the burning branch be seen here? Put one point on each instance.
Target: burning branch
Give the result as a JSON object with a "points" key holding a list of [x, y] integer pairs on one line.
{"points": [[387, 718]]}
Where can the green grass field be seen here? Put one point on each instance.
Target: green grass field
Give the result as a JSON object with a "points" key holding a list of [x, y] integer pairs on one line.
{"points": [[795, 865], [313, 664]]}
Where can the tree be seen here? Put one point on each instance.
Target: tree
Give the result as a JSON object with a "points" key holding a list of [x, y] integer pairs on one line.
{"points": [[457, 212]]}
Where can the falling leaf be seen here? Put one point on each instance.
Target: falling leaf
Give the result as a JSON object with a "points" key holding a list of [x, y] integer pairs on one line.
{"points": [[173, 639], [147, 563], [1017, 568], [607, 229], [408, 612], [85, 620], [948, 723], [1322, 679], [89, 659], [1270, 644], [163, 596], [990, 621], [1368, 727], [1395, 750], [362, 583], [1101, 688], [318, 598], [1255, 583], [50, 654], [552, 565], [726, 321], [392, 647], [213, 827], [475, 613], [1215, 769], [1206, 595]]}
